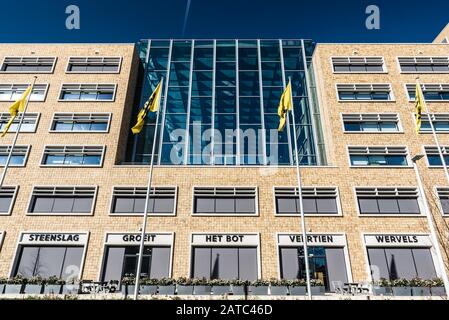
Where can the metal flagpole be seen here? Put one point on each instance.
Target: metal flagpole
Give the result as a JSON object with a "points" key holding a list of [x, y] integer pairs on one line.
{"points": [[430, 217], [147, 199], [8, 159], [301, 207]]}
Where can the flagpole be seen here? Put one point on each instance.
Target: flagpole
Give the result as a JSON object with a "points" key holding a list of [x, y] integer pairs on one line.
{"points": [[8, 159], [301, 207], [428, 213], [147, 199]]}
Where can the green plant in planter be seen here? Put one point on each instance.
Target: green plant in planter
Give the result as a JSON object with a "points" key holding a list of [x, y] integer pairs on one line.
{"points": [[219, 282], [128, 279], [182, 281], [149, 282], [316, 283], [3, 280], [54, 280], [418, 282], [166, 282], [279, 283], [17, 280], [201, 282], [382, 282], [260, 283], [438, 282], [239, 283], [298, 283], [400, 283]]}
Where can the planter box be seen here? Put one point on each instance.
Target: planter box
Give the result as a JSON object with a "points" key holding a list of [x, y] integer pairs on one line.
{"points": [[421, 291], [298, 291], [202, 290], [184, 290], [238, 290], [70, 289], [13, 288], [167, 290], [221, 290], [402, 291], [2, 287], [148, 289], [318, 291], [438, 291], [382, 291], [258, 291], [52, 289], [279, 290]]}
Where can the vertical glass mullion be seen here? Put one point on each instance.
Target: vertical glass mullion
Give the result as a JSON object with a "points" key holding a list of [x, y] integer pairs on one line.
{"points": [[290, 150], [237, 101], [310, 103], [214, 72], [167, 79], [262, 120], [189, 102]]}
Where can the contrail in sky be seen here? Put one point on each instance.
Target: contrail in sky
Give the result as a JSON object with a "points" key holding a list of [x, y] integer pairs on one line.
{"points": [[186, 16]]}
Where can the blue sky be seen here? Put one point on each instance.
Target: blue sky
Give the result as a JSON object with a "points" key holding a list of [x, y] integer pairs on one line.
{"points": [[131, 20]]}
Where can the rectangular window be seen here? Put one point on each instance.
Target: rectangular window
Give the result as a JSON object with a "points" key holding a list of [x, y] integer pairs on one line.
{"points": [[131, 200], [7, 197], [87, 92], [433, 156], [440, 122], [371, 122], [364, 92], [316, 201], [29, 123], [224, 201], [358, 64], [94, 65], [224, 263], [62, 200], [377, 156], [18, 157], [326, 264], [443, 195], [424, 64], [388, 201], [86, 156], [13, 92], [80, 122], [122, 261], [48, 261], [431, 92], [401, 263], [28, 64]]}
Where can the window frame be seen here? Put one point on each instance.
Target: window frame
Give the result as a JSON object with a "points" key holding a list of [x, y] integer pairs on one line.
{"points": [[437, 189], [119, 67], [44, 153], [61, 91], [384, 65], [122, 214], [391, 93], [19, 245], [423, 90], [34, 115], [445, 151], [432, 115], [13, 200], [26, 85], [399, 215], [56, 214], [421, 72], [74, 114], [55, 59], [407, 158], [379, 116], [337, 200], [256, 204], [25, 160]]}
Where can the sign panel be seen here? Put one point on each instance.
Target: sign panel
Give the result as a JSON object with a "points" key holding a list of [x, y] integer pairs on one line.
{"points": [[325, 240], [225, 239], [397, 240], [53, 238], [165, 239]]}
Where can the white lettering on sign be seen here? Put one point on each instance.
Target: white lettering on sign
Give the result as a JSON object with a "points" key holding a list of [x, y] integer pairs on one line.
{"points": [[225, 239], [338, 240], [135, 238], [53, 238], [398, 240]]}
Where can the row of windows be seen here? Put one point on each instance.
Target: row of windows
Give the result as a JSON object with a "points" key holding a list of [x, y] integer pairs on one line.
{"points": [[384, 92], [61, 122], [68, 92], [219, 201], [74, 65], [377, 64]]}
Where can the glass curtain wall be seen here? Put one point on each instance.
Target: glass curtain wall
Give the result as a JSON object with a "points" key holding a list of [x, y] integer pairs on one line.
{"points": [[220, 100]]}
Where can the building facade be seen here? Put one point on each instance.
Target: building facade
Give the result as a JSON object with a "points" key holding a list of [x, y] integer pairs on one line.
{"points": [[224, 199]]}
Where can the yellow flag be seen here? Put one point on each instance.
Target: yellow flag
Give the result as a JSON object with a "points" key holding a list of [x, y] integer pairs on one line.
{"points": [[419, 104], [17, 106], [152, 105], [285, 105]]}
